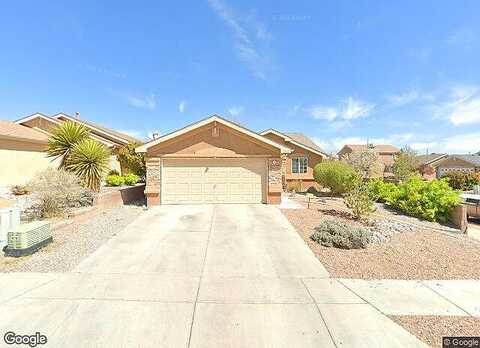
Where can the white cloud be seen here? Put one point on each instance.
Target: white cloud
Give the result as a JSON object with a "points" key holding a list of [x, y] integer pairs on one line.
{"points": [[182, 106], [141, 102], [235, 110], [423, 146], [147, 102], [462, 106], [465, 143], [349, 109], [248, 35], [408, 97]]}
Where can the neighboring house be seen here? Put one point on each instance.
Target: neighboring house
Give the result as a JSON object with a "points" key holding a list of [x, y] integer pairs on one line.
{"points": [[111, 138], [426, 164], [386, 156], [213, 161], [21, 153], [464, 163], [298, 165]]}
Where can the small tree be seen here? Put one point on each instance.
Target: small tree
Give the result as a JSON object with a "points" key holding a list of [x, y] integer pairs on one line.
{"points": [[365, 162], [63, 140], [131, 161], [405, 164], [338, 176], [359, 200]]}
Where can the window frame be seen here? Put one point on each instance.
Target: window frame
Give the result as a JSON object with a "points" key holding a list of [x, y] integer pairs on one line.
{"points": [[299, 166]]}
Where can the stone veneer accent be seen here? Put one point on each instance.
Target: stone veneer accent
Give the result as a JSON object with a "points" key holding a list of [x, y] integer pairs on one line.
{"points": [[152, 189], [275, 187]]}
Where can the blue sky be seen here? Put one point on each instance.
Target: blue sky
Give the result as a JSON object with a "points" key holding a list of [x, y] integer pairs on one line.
{"points": [[404, 72]]}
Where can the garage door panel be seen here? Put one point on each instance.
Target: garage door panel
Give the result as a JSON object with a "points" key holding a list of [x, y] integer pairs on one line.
{"points": [[213, 181]]}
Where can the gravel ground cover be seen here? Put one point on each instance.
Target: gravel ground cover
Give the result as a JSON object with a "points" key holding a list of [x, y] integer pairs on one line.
{"points": [[431, 329], [416, 254], [74, 242]]}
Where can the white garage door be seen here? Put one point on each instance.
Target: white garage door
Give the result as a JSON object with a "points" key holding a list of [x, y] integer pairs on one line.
{"points": [[213, 181]]}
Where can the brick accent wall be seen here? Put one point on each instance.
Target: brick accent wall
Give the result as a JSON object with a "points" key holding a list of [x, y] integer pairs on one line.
{"points": [[152, 188]]}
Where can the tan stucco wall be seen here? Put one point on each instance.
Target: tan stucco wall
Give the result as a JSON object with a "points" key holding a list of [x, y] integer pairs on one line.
{"points": [[19, 162], [201, 143]]}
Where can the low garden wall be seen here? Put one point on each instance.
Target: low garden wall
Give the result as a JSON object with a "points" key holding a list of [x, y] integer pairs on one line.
{"points": [[122, 196]]}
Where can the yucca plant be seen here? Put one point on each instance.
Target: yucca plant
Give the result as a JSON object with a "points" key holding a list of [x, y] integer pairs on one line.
{"points": [[89, 160], [64, 138]]}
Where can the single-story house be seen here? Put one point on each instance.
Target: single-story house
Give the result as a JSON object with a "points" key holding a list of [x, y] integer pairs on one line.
{"points": [[214, 161], [21, 153], [464, 163], [298, 165], [426, 164], [386, 156], [26, 154]]}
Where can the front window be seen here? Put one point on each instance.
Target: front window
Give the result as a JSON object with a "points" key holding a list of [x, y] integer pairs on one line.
{"points": [[299, 165]]}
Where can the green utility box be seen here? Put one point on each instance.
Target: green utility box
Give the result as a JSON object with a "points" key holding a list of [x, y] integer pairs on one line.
{"points": [[25, 239]]}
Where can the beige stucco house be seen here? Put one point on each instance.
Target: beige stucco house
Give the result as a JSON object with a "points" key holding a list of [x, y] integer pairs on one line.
{"points": [[23, 142], [21, 153], [213, 161], [437, 165], [298, 165]]}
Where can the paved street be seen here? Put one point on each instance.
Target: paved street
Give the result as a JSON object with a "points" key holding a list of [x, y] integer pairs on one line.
{"points": [[199, 276]]}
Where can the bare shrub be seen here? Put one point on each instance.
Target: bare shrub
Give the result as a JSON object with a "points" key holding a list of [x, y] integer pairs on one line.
{"points": [[55, 192]]}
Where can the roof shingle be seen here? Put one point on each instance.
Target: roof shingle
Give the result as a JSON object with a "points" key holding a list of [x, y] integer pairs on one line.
{"points": [[14, 130]]}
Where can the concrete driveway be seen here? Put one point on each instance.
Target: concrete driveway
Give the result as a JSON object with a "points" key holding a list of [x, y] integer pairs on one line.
{"points": [[197, 276]]}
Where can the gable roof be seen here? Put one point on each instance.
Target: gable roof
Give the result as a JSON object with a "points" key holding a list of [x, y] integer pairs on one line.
{"points": [[113, 133], [378, 148], [298, 139], [10, 129], [430, 158], [62, 117], [205, 121]]}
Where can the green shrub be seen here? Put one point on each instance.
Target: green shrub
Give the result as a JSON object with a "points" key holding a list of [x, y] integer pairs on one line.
{"points": [[359, 200], [460, 180], [379, 190], [55, 191], [113, 172], [430, 200], [131, 179], [337, 234], [338, 176], [115, 180]]}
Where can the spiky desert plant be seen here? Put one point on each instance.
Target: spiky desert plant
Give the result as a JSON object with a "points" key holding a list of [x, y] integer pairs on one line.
{"points": [[64, 138], [89, 160]]}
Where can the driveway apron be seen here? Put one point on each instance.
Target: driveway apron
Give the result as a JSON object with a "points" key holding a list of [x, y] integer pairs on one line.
{"points": [[198, 276]]}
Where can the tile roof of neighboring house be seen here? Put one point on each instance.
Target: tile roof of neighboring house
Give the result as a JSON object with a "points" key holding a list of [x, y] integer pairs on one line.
{"points": [[13, 130], [379, 148], [110, 131], [473, 159], [303, 139], [427, 159]]}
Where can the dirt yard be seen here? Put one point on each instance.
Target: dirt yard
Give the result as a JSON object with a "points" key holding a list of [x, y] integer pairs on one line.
{"points": [[422, 254], [431, 329]]}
